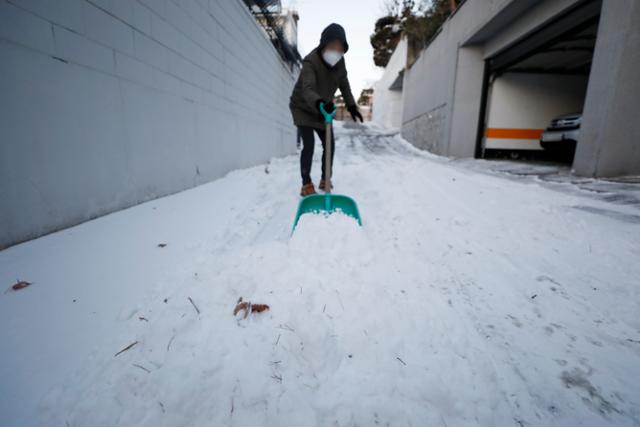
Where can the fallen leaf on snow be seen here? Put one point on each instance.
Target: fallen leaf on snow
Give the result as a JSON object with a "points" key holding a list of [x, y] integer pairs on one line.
{"points": [[259, 308], [247, 307], [20, 284], [242, 306]]}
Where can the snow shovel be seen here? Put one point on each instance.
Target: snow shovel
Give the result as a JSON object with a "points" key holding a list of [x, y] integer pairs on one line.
{"points": [[327, 203]]}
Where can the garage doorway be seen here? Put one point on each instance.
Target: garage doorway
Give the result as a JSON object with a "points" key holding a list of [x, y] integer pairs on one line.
{"points": [[534, 90]]}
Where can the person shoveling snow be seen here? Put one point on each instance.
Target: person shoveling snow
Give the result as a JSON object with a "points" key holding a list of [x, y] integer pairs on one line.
{"points": [[323, 72]]}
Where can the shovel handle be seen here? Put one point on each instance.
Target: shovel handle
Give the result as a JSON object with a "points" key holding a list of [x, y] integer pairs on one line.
{"points": [[328, 118], [327, 158]]}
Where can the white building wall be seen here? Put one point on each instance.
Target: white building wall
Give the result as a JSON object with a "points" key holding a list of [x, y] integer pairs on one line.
{"points": [[106, 104], [521, 105], [387, 104]]}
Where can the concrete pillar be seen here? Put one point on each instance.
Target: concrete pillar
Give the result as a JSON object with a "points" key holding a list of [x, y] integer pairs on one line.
{"points": [[467, 96], [610, 137]]}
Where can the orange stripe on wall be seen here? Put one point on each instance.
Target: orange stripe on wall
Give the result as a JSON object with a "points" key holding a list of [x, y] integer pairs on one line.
{"points": [[501, 133]]}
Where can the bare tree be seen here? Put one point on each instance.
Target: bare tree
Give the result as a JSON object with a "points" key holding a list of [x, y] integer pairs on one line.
{"points": [[418, 20]]}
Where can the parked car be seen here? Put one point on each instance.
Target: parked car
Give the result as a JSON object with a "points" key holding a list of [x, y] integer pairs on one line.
{"points": [[563, 132]]}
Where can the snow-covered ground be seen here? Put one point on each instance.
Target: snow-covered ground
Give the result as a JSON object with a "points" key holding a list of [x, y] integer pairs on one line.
{"points": [[465, 299]]}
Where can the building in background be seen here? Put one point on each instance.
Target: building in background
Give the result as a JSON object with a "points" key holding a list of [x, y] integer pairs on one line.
{"points": [[341, 108], [108, 105], [364, 102], [280, 25], [499, 71]]}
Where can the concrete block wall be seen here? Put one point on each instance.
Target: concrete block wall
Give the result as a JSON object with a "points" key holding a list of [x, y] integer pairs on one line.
{"points": [[427, 130], [108, 103]]}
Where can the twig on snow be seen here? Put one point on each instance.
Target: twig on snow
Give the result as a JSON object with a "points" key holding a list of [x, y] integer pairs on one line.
{"points": [[169, 343], [126, 348], [142, 367], [401, 361], [339, 299], [278, 340], [194, 305], [161, 406], [286, 327]]}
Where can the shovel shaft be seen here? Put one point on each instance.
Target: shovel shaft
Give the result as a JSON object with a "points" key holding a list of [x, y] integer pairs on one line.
{"points": [[327, 158]]}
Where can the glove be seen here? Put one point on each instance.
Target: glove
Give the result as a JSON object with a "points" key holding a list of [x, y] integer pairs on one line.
{"points": [[328, 106], [355, 114]]}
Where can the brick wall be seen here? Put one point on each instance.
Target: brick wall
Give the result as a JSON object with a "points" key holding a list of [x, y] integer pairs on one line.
{"points": [[108, 103]]}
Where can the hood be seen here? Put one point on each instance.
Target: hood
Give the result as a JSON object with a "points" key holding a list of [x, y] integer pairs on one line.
{"points": [[331, 33]]}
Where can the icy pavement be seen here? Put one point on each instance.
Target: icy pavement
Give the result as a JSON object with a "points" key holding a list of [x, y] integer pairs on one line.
{"points": [[467, 298], [621, 191]]}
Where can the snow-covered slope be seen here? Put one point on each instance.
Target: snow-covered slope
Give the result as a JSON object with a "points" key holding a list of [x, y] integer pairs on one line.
{"points": [[465, 299]]}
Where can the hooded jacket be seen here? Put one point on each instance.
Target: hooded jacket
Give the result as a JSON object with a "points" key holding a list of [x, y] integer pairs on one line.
{"points": [[319, 81]]}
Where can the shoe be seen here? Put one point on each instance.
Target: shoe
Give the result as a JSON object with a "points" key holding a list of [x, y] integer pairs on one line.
{"points": [[307, 190], [323, 185]]}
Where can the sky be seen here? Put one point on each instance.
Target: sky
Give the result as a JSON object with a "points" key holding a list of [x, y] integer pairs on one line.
{"points": [[358, 18]]}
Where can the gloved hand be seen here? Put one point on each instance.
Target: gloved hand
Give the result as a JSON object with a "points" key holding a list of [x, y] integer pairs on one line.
{"points": [[355, 114], [328, 106]]}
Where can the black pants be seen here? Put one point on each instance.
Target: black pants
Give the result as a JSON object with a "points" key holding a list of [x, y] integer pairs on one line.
{"points": [[308, 143]]}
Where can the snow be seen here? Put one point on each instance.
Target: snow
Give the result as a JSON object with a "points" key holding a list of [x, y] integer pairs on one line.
{"points": [[465, 299]]}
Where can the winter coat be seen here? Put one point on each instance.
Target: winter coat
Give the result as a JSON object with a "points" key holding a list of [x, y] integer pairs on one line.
{"points": [[319, 81]]}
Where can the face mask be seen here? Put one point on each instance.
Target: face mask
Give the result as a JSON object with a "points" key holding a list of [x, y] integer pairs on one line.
{"points": [[331, 57]]}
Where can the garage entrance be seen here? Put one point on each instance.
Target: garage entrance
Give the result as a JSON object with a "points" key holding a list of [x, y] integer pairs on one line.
{"points": [[535, 89]]}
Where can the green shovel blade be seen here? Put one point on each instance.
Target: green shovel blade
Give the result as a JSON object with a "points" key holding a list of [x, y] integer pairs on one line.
{"points": [[327, 204]]}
